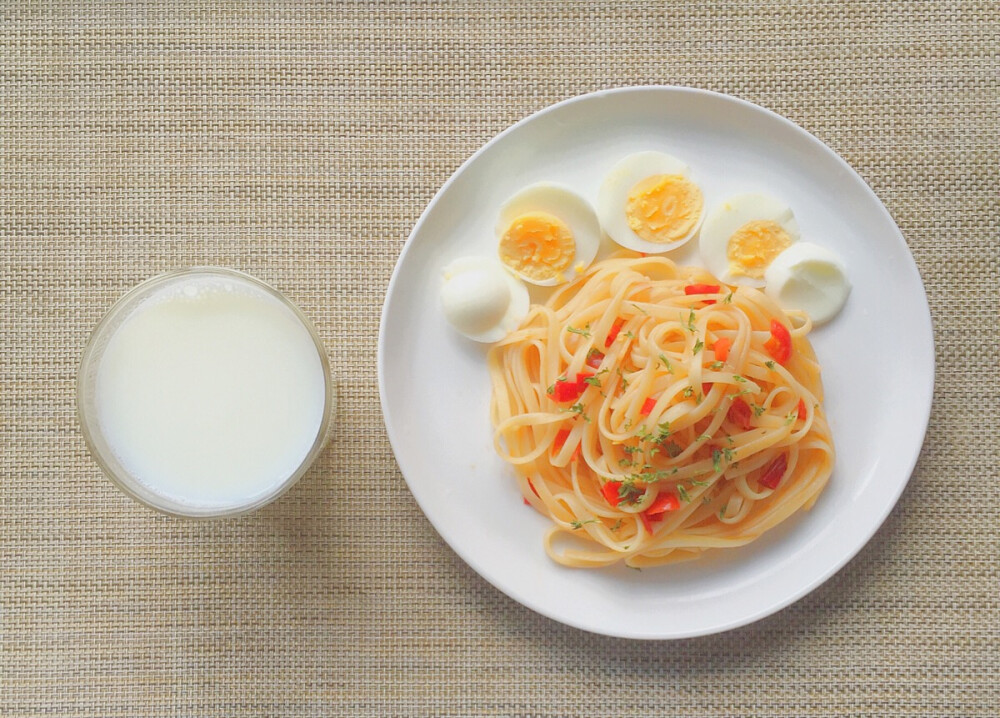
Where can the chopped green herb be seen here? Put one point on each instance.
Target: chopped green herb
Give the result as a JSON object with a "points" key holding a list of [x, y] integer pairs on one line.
{"points": [[666, 363], [634, 568], [688, 391], [581, 524], [703, 437], [728, 299], [691, 326], [758, 410], [682, 492], [673, 450], [792, 416], [769, 364], [722, 511], [618, 525], [716, 365], [716, 460], [628, 424], [583, 332], [551, 389], [698, 346], [728, 453], [630, 335], [737, 377], [625, 463], [592, 380], [640, 308]]}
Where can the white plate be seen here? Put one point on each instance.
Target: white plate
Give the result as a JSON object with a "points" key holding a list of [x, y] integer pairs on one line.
{"points": [[877, 358]]}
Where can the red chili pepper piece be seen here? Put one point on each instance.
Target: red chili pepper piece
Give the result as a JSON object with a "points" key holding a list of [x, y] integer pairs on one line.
{"points": [[773, 473], [705, 388], [779, 345], [722, 347], [739, 413], [663, 503], [647, 523], [647, 406], [533, 489], [594, 359], [565, 390], [560, 439], [802, 410], [610, 491], [701, 289], [613, 332]]}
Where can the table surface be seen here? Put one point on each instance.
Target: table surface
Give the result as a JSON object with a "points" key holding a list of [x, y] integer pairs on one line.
{"points": [[300, 142]]}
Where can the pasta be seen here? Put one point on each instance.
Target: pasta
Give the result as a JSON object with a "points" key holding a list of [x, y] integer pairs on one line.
{"points": [[654, 414]]}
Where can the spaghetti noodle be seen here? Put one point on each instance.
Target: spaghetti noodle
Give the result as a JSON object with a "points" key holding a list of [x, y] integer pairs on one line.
{"points": [[653, 414]]}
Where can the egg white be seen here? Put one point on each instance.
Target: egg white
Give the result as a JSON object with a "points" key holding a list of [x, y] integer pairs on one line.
{"points": [[612, 198], [567, 206], [481, 299], [811, 278], [727, 217]]}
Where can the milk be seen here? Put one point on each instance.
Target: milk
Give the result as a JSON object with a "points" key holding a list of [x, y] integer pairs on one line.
{"points": [[211, 392]]}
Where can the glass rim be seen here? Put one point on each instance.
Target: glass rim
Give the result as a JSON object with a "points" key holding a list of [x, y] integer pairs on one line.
{"points": [[147, 496]]}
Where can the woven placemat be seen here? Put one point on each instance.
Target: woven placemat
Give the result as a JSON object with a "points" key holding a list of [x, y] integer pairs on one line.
{"points": [[299, 142]]}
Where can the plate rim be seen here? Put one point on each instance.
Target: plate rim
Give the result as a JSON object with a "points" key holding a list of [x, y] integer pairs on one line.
{"points": [[925, 404]]}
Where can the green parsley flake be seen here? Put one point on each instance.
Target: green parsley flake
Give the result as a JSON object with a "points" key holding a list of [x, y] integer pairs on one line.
{"points": [[769, 364], [716, 365], [640, 308], [737, 377], [580, 524], [698, 346], [666, 363], [592, 380], [688, 391], [691, 325], [682, 492], [716, 460], [582, 332]]}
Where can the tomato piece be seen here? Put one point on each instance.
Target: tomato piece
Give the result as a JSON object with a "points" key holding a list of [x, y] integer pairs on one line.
{"points": [[802, 410], [647, 406], [705, 388], [722, 347], [610, 491], [560, 439], [773, 473], [779, 346], [613, 332], [663, 503], [701, 289], [739, 413], [533, 489], [594, 359]]}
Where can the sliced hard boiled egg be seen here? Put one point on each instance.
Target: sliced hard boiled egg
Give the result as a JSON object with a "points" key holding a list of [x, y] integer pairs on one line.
{"points": [[811, 278], [648, 203], [743, 235], [548, 234], [481, 299]]}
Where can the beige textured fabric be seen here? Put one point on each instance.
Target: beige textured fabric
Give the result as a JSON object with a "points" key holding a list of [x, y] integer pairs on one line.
{"points": [[300, 142]]}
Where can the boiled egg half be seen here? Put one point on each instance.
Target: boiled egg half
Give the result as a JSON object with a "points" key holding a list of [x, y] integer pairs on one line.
{"points": [[648, 203], [547, 234], [811, 278], [743, 235], [481, 299]]}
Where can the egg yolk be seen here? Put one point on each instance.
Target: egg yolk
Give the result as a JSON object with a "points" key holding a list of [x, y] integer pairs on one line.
{"points": [[754, 245], [538, 246], [663, 208]]}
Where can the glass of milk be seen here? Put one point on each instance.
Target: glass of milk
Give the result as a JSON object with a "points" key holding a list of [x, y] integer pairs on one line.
{"points": [[205, 393]]}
